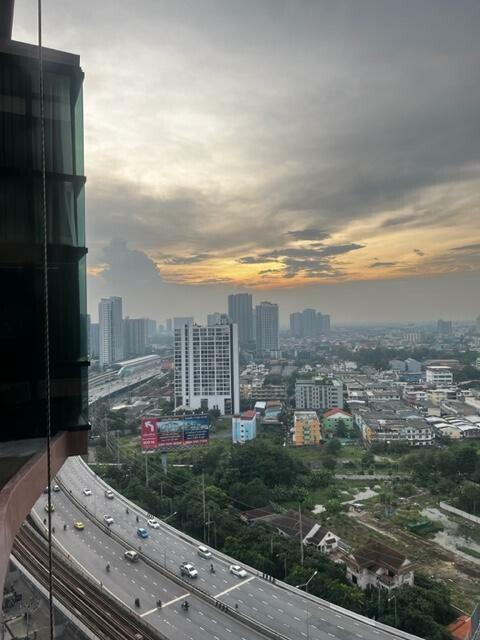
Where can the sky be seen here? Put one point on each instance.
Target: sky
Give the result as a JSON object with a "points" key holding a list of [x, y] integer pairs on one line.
{"points": [[316, 153]]}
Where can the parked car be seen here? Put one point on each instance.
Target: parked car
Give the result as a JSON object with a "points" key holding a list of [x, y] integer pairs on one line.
{"points": [[87, 492], [237, 570], [187, 569], [109, 494], [78, 524], [108, 519], [204, 552], [49, 507], [142, 533]]}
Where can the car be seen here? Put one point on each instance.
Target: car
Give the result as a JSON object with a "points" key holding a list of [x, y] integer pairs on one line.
{"points": [[187, 569], [237, 570], [109, 494], [108, 519], [142, 533], [56, 488], [204, 552], [131, 555], [87, 492], [49, 507], [78, 524], [153, 523]]}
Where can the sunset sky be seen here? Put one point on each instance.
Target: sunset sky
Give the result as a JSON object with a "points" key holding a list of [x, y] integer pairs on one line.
{"points": [[314, 152]]}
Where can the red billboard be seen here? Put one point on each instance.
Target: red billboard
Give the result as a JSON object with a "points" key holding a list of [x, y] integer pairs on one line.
{"points": [[149, 434], [167, 432]]}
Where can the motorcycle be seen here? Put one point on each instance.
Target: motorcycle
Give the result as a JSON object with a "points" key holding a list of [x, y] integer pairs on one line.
{"points": [[212, 569], [185, 605], [108, 567], [137, 602]]}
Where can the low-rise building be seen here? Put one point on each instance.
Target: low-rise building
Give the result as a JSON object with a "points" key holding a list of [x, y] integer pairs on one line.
{"points": [[377, 565], [306, 428], [332, 418], [319, 393], [393, 422], [438, 376], [455, 427], [244, 427]]}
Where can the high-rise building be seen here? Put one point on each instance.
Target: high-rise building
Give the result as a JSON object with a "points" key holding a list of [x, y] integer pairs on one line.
{"points": [[135, 331], [169, 325], [444, 327], [267, 326], [240, 312], [111, 340], [217, 318], [94, 340], [24, 264], [151, 328], [296, 325], [319, 394], [309, 323], [323, 323], [182, 320], [206, 367]]}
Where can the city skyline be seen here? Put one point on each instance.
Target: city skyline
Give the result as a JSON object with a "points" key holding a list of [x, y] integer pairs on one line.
{"points": [[340, 163]]}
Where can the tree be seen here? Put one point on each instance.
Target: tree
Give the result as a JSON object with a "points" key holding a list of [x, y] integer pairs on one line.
{"points": [[329, 462], [341, 430], [333, 447]]}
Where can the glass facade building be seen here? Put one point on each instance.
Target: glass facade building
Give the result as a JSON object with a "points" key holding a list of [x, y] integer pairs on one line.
{"points": [[22, 332]]}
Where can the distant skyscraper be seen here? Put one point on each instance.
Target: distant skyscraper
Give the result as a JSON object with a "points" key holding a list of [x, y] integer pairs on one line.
{"points": [[94, 340], [136, 335], [323, 323], [309, 322], [216, 318], [206, 367], [111, 330], [169, 325], [240, 311], [182, 320], [151, 328], [267, 326], [296, 325], [444, 327]]}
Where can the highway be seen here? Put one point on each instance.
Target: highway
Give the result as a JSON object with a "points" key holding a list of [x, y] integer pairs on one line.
{"points": [[283, 609], [92, 549]]}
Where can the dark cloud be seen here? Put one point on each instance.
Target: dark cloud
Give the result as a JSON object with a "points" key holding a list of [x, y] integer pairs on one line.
{"points": [[128, 267], [467, 248], [311, 234], [378, 265], [262, 259], [419, 252], [199, 257]]}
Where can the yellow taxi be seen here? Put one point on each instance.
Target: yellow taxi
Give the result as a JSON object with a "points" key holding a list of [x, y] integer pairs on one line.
{"points": [[79, 525]]}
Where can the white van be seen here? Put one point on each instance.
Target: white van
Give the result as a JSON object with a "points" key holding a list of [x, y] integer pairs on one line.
{"points": [[131, 555], [204, 552]]}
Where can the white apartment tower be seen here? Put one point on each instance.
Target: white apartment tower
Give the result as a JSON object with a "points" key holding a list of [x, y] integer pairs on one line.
{"points": [[206, 367], [110, 320], [266, 316]]}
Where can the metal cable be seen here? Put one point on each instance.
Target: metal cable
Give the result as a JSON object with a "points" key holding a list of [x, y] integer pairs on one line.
{"points": [[46, 321]]}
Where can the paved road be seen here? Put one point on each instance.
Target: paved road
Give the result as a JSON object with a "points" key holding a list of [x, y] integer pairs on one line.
{"points": [[283, 610], [92, 549]]}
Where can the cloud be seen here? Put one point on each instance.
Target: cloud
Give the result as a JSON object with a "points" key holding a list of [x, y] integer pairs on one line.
{"points": [[379, 265], [128, 267], [200, 257], [419, 252], [467, 248], [311, 234]]}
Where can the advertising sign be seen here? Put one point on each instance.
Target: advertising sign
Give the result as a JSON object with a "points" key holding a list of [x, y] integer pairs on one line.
{"points": [[149, 436], [175, 431]]}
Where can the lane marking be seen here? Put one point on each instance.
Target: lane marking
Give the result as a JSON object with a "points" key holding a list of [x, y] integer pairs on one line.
{"points": [[164, 604], [235, 586]]}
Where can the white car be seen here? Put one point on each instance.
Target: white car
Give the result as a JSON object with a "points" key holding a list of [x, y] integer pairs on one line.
{"points": [[153, 523], [204, 552], [109, 494], [108, 519], [237, 570], [87, 492], [187, 569]]}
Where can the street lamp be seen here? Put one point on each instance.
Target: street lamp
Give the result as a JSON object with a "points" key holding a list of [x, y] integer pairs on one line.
{"points": [[394, 598], [305, 584]]}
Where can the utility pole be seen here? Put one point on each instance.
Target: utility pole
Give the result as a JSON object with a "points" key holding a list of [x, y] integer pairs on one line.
{"points": [[301, 534], [146, 468], [204, 506], [208, 530]]}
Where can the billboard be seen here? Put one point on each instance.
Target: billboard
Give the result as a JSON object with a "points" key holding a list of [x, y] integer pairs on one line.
{"points": [[169, 432]]}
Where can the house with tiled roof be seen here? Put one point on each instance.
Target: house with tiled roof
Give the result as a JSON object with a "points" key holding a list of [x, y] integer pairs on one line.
{"points": [[332, 418], [377, 565]]}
